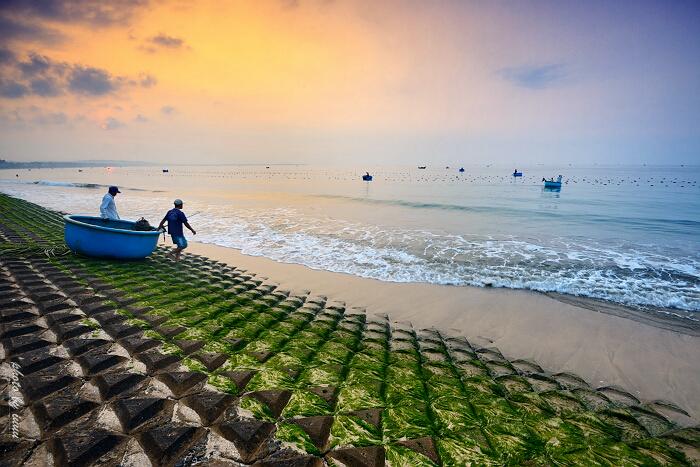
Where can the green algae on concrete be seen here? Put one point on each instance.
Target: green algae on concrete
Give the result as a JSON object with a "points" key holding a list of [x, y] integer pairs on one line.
{"points": [[386, 384]]}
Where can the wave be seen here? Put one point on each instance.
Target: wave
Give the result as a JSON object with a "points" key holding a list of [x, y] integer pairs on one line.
{"points": [[67, 184], [629, 274], [84, 185], [526, 213]]}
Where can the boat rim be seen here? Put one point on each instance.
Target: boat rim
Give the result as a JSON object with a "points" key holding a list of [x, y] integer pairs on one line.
{"points": [[69, 218]]}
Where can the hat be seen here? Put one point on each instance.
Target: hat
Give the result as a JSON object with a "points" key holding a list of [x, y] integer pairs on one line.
{"points": [[114, 189], [178, 202]]}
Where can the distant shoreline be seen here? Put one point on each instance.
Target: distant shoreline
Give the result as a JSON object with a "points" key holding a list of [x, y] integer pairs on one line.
{"points": [[71, 164]]}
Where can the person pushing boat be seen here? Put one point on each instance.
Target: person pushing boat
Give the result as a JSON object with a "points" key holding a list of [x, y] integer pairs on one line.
{"points": [[176, 219], [108, 208]]}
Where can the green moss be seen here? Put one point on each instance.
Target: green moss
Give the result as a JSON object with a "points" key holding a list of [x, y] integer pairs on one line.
{"points": [[349, 430], [257, 409], [292, 435], [401, 456], [306, 404], [270, 378], [465, 450], [194, 365], [406, 420], [91, 323], [222, 383]]}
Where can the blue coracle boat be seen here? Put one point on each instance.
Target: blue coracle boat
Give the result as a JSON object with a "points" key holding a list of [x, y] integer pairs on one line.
{"points": [[367, 178], [106, 238], [552, 183]]}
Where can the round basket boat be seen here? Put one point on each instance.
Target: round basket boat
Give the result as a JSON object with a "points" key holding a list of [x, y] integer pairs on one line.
{"points": [[107, 238]]}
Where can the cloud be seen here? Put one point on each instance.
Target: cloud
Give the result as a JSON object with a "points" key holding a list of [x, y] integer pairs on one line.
{"points": [[36, 64], [12, 89], [289, 4], [167, 109], [52, 118], [140, 119], [41, 76], [169, 42], [7, 56], [94, 13], [26, 117], [45, 87], [535, 76], [12, 29], [147, 81], [91, 81], [112, 123]]}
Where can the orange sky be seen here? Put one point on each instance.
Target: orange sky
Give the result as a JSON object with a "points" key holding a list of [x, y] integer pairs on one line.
{"points": [[296, 81]]}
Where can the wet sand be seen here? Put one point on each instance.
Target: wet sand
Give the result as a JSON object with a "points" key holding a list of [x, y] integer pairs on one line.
{"points": [[651, 356]]}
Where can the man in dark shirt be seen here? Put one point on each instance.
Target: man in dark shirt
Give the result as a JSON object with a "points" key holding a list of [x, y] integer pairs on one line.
{"points": [[176, 219]]}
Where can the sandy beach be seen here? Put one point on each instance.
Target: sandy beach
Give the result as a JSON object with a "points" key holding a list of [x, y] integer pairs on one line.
{"points": [[651, 358]]}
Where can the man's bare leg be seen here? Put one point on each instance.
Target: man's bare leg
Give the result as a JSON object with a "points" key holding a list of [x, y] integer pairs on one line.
{"points": [[178, 250]]}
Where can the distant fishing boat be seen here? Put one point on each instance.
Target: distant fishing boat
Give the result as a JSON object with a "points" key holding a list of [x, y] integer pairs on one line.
{"points": [[165, 171], [367, 177], [552, 183], [517, 174], [461, 169], [422, 166]]}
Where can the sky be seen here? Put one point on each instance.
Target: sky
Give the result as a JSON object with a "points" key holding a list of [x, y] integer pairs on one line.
{"points": [[351, 82]]}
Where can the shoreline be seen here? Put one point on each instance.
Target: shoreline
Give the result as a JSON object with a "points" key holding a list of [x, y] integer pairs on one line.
{"points": [[654, 356]]}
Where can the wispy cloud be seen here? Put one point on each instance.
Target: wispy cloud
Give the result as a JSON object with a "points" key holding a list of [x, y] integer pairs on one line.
{"points": [[12, 29], [112, 123], [535, 76], [155, 44], [33, 116], [169, 42]]}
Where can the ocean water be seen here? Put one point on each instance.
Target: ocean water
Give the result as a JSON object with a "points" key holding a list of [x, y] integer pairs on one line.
{"points": [[629, 235]]}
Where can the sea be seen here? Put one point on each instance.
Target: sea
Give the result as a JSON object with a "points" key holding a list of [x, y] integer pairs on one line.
{"points": [[624, 234]]}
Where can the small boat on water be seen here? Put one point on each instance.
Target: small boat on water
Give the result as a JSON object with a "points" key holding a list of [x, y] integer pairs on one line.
{"points": [[367, 177], [461, 169], [517, 174], [552, 183], [107, 238], [422, 167], [165, 171]]}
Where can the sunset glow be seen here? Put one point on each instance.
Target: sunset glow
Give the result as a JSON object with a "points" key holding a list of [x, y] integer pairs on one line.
{"points": [[319, 80]]}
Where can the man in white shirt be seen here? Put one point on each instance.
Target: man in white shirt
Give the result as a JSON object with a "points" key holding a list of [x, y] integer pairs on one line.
{"points": [[108, 209]]}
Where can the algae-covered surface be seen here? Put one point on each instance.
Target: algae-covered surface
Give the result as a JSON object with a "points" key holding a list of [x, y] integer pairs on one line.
{"points": [[332, 378]]}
